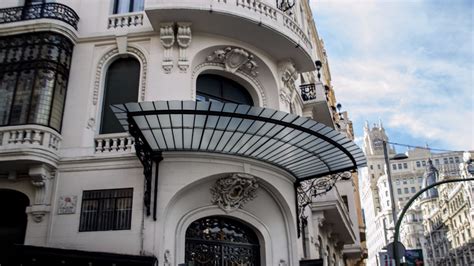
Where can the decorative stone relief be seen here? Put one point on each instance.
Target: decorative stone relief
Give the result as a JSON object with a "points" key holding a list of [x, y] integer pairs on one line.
{"points": [[167, 258], [232, 192], [67, 204], [41, 179], [184, 38], [167, 39], [235, 59], [288, 74]]}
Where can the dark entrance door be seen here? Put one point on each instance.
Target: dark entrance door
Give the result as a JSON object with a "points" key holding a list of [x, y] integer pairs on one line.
{"points": [[221, 241], [13, 222]]}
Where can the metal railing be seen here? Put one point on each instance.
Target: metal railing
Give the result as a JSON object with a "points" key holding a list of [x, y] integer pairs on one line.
{"points": [[46, 10], [308, 91]]}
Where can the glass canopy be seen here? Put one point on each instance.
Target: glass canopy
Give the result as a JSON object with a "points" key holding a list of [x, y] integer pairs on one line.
{"points": [[301, 146]]}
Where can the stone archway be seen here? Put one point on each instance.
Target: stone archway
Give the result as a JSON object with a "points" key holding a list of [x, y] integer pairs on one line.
{"points": [[220, 240], [14, 219]]}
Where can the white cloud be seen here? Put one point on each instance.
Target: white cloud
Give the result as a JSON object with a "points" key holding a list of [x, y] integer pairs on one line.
{"points": [[398, 62]]}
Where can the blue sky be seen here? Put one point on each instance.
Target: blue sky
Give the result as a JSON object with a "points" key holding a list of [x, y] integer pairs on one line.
{"points": [[410, 63]]}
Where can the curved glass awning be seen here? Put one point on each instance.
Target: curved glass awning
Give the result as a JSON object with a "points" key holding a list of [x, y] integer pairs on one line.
{"points": [[299, 145]]}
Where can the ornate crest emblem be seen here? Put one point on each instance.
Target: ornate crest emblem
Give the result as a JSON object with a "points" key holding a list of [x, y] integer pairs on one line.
{"points": [[235, 59], [231, 192]]}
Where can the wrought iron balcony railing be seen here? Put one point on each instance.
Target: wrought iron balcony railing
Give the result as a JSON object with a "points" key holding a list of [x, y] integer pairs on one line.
{"points": [[308, 92], [46, 10]]}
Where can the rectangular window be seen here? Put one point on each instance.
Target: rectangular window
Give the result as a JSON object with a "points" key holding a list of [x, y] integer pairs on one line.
{"points": [[394, 166], [412, 180], [399, 166], [456, 159], [418, 164], [436, 161], [420, 179], [397, 181], [445, 160], [399, 191], [128, 6], [378, 166], [404, 181], [451, 160], [371, 167], [405, 190], [413, 189], [423, 163], [105, 210], [405, 165]]}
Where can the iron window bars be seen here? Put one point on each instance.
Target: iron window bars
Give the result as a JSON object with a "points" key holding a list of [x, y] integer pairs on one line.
{"points": [[105, 210], [37, 11]]}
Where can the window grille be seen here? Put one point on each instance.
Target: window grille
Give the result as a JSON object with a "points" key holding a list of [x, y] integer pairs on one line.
{"points": [[105, 210]]}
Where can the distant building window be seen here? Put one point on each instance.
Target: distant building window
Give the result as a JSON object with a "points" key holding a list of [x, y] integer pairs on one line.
{"points": [[413, 189], [423, 163], [456, 159], [420, 179], [378, 166], [451, 160], [399, 191], [418, 164], [436, 161], [386, 193], [394, 166], [128, 6], [397, 181], [412, 180], [371, 167], [405, 165], [105, 210], [405, 190], [404, 181], [373, 176], [388, 203], [399, 166], [445, 160]]}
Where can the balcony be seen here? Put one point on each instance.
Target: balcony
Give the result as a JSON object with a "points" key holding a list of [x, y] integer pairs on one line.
{"points": [[46, 10], [250, 21], [118, 143], [335, 210], [30, 144], [316, 103]]}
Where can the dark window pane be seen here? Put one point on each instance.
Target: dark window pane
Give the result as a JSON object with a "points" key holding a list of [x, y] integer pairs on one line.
{"points": [[217, 88], [121, 86], [21, 102], [7, 87], [42, 97], [58, 102]]}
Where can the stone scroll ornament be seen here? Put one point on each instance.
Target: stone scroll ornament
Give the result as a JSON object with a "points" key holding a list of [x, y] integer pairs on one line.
{"points": [[232, 192], [235, 59]]}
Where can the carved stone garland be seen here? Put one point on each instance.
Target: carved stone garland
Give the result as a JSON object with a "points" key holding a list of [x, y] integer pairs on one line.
{"points": [[167, 39], [184, 40], [232, 192], [235, 59]]}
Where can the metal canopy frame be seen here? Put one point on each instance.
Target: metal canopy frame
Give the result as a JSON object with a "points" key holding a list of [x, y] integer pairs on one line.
{"points": [[301, 146]]}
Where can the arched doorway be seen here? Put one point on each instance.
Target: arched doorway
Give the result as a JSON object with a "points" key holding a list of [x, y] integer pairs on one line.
{"points": [[222, 241], [13, 222]]}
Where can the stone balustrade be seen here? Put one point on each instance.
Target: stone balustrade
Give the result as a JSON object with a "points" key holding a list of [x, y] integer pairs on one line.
{"points": [[125, 20], [114, 143], [29, 136]]}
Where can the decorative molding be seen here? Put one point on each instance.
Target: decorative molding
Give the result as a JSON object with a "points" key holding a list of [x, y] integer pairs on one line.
{"points": [[167, 39], [232, 192], [67, 204], [253, 80], [167, 258], [235, 59], [184, 38]]}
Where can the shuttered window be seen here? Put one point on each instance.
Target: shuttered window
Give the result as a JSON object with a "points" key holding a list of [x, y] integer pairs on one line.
{"points": [[105, 210]]}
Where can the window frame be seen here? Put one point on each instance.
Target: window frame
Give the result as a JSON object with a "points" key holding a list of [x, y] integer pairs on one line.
{"points": [[99, 196], [131, 4]]}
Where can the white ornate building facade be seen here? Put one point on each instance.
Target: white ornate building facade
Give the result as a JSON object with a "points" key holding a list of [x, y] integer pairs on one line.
{"points": [[184, 132], [407, 179]]}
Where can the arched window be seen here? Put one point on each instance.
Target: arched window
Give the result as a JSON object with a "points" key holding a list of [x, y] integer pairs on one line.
{"points": [[121, 86], [211, 87]]}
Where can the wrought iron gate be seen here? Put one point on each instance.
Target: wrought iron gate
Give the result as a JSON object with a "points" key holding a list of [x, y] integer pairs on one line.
{"points": [[221, 241]]}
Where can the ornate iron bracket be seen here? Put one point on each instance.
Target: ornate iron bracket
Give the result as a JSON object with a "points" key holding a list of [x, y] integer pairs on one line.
{"points": [[308, 190], [146, 157]]}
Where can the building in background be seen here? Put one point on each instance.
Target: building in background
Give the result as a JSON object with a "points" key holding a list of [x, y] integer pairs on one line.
{"points": [[407, 177], [136, 132]]}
